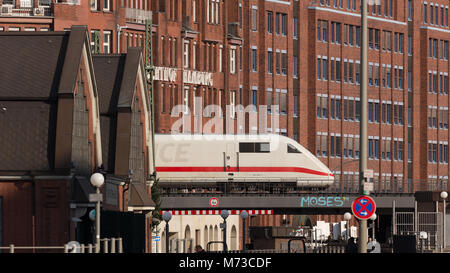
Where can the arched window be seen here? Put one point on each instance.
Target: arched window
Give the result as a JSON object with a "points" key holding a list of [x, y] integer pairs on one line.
{"points": [[187, 240], [233, 238], [205, 237]]}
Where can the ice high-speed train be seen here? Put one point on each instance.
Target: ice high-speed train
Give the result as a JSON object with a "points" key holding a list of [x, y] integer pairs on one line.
{"points": [[238, 158]]}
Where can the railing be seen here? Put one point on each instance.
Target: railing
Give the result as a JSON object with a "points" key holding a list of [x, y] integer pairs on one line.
{"points": [[26, 8], [245, 187], [137, 15], [110, 245]]}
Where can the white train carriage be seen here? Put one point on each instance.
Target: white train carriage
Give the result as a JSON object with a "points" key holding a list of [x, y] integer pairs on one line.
{"points": [[238, 158]]}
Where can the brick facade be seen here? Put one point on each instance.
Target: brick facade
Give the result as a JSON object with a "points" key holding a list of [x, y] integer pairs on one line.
{"points": [[212, 36]]}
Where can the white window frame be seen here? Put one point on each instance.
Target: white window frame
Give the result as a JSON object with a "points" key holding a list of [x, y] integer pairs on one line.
{"points": [[186, 100], [186, 54], [107, 41], [108, 5], [93, 4], [233, 59], [233, 104]]}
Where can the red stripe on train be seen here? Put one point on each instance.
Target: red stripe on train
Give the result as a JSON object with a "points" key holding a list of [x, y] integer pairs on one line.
{"points": [[242, 169]]}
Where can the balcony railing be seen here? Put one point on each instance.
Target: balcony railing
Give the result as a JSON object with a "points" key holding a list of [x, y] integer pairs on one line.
{"points": [[137, 15], [25, 8]]}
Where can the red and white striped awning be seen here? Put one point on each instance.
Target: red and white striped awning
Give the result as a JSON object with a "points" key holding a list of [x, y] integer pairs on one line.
{"points": [[217, 212]]}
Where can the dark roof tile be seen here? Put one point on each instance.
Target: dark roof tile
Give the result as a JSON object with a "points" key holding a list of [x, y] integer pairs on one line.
{"points": [[31, 65], [27, 135]]}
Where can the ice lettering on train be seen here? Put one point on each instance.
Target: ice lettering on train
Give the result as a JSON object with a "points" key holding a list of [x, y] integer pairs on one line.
{"points": [[174, 152]]}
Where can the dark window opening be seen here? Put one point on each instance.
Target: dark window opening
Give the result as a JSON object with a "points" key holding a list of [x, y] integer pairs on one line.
{"points": [[254, 147], [292, 150]]}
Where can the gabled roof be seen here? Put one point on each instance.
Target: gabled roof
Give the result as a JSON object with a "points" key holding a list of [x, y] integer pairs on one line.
{"points": [[116, 76], [31, 64], [35, 68], [39, 65]]}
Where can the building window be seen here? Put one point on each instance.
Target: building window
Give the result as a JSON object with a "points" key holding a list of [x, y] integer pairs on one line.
{"points": [[270, 62], [255, 98], [283, 63], [322, 145], [106, 42], [269, 101], [106, 5], [93, 4], [295, 66], [322, 107], [324, 69], [186, 100], [269, 22], [277, 23], [295, 28], [254, 19], [410, 10], [295, 104], [233, 104], [277, 63], [233, 60], [254, 60], [322, 31], [186, 54], [95, 41], [284, 24], [283, 106]]}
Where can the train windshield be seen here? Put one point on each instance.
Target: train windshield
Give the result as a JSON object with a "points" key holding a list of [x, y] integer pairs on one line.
{"points": [[292, 150]]}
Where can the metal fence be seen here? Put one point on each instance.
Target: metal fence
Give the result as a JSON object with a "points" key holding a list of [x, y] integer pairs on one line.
{"points": [[108, 245], [429, 223]]}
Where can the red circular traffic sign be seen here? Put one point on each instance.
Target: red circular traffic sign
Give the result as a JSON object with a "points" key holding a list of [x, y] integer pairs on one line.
{"points": [[214, 202], [363, 207]]}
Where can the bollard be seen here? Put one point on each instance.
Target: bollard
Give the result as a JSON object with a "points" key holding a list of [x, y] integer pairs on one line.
{"points": [[11, 248], [113, 245], [82, 248], [89, 248], [120, 245], [105, 246]]}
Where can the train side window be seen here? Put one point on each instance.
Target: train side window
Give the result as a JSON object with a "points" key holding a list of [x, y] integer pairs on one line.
{"points": [[292, 150], [246, 147], [262, 147], [254, 147]]}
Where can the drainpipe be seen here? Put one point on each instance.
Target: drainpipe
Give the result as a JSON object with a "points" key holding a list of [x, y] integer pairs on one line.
{"points": [[119, 29]]}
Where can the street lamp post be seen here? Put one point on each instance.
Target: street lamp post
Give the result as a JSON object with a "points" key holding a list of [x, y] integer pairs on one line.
{"points": [[224, 214], [97, 180], [373, 218], [244, 216], [166, 217], [347, 217], [444, 196]]}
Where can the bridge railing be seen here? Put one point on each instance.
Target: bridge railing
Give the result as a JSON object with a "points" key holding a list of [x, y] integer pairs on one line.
{"points": [[393, 186]]}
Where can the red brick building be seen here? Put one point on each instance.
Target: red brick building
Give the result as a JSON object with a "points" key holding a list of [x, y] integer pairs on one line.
{"points": [[303, 56]]}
